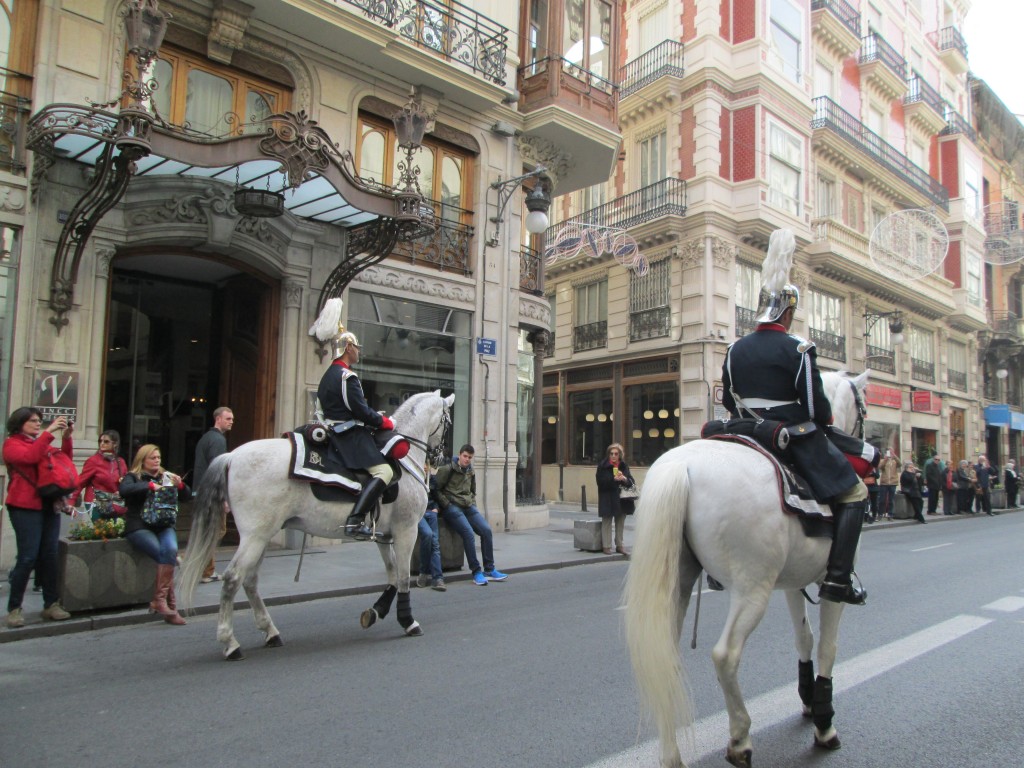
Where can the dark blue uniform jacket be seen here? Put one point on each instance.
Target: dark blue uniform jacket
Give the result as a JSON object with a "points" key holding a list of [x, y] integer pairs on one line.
{"points": [[342, 400]]}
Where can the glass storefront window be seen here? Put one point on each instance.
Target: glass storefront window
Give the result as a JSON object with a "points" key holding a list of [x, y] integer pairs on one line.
{"points": [[883, 436], [652, 421], [590, 425], [524, 417], [8, 289], [549, 430]]}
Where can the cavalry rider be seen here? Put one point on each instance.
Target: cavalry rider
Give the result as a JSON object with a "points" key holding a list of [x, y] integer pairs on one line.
{"points": [[773, 374], [351, 420]]}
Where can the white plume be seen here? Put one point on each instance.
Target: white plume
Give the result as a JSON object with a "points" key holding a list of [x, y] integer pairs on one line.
{"points": [[327, 325], [775, 270]]}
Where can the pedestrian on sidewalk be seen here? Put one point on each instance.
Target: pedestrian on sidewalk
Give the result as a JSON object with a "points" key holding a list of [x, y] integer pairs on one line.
{"points": [[454, 488], [934, 469], [871, 481], [430, 550], [949, 490], [889, 477], [612, 476], [210, 446], [966, 479], [1010, 481], [910, 487], [987, 475], [35, 521]]}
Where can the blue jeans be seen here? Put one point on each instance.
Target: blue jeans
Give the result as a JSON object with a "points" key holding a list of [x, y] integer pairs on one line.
{"points": [[36, 533], [161, 546], [466, 521], [886, 499], [430, 546]]}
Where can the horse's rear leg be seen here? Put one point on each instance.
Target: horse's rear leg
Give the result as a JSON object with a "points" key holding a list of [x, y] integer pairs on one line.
{"points": [[745, 613], [825, 735], [272, 638], [804, 637], [245, 562]]}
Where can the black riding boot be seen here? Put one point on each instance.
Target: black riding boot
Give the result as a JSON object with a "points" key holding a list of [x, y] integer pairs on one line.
{"points": [[838, 585], [354, 525]]}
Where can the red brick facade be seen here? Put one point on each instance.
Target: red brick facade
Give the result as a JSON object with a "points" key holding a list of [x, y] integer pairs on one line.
{"points": [[744, 148], [687, 143], [949, 167], [724, 144], [951, 266]]}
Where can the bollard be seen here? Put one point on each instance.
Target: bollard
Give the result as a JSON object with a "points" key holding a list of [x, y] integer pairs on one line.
{"points": [[583, 498]]}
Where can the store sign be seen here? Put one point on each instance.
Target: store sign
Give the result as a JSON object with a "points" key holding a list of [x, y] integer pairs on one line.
{"points": [[997, 415], [925, 402], [878, 394], [56, 394]]}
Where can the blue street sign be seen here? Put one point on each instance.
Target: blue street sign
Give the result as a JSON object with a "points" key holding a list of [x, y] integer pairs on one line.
{"points": [[486, 347]]}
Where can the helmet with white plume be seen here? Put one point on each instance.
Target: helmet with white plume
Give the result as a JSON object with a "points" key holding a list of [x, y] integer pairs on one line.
{"points": [[777, 293], [328, 329]]}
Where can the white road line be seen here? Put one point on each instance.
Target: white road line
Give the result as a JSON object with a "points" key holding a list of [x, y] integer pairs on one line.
{"points": [[1007, 604], [779, 705], [937, 546]]}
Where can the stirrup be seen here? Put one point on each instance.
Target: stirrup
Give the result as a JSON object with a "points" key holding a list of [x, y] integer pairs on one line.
{"points": [[843, 593]]}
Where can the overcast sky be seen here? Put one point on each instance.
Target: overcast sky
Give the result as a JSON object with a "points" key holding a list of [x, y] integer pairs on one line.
{"points": [[994, 31]]}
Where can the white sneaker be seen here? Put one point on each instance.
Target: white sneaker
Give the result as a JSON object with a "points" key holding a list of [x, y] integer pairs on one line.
{"points": [[56, 612], [423, 580], [15, 619]]}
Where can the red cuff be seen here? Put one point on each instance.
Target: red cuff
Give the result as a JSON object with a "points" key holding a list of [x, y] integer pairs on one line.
{"points": [[387, 423], [153, 486], [181, 484]]}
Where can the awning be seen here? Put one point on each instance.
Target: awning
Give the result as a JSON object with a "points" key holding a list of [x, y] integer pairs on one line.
{"points": [[997, 415], [1017, 421]]}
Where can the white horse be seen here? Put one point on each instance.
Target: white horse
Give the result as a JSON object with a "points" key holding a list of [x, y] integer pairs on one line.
{"points": [[253, 480], [712, 504]]}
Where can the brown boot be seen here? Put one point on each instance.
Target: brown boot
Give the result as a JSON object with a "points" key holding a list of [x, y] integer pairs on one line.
{"points": [[164, 586]]}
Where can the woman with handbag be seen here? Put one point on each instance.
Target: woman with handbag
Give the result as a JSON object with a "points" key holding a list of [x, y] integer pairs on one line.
{"points": [[613, 476], [101, 475], [35, 521], [151, 495]]}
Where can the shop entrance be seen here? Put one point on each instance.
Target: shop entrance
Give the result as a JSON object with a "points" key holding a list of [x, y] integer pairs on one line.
{"points": [[185, 335]]}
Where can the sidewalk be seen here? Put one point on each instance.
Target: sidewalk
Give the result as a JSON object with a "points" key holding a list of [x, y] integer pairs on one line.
{"points": [[353, 568]]}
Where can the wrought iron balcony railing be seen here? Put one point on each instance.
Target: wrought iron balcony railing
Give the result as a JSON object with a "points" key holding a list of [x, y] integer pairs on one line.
{"points": [[950, 38], [957, 380], [829, 344], [663, 60], [842, 10], [922, 370], [828, 114], [590, 336], [874, 47], [663, 198], [592, 80], [1004, 322], [14, 112], [530, 272], [881, 359], [450, 29], [957, 123], [447, 248], [649, 324], [921, 91], [746, 321]]}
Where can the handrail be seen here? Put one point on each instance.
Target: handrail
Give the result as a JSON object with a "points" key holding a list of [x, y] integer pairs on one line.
{"points": [[921, 91], [575, 70], [663, 60], [663, 198], [530, 271], [828, 114], [950, 38], [957, 123], [14, 113], [874, 47], [842, 10]]}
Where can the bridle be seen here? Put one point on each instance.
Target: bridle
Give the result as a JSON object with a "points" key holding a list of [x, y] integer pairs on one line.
{"points": [[434, 453], [862, 411]]}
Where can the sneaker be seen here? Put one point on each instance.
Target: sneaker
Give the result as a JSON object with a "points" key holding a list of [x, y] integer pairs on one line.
{"points": [[211, 578], [423, 580], [56, 612], [15, 619], [479, 580], [439, 585], [495, 575]]}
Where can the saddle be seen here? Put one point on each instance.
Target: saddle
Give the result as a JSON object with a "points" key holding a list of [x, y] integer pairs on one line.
{"points": [[316, 460]]}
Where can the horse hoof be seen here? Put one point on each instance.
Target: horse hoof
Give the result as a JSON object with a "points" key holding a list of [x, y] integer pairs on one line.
{"points": [[235, 655], [830, 744], [368, 618], [739, 759], [274, 642], [414, 630]]}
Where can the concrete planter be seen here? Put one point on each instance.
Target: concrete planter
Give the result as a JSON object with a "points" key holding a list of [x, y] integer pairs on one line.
{"points": [[103, 574], [998, 498], [453, 554]]}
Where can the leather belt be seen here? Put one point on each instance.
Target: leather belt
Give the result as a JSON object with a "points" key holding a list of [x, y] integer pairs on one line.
{"points": [[760, 402]]}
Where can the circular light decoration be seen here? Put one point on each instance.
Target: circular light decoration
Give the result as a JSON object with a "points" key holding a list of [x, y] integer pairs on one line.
{"points": [[648, 414], [590, 417], [652, 433], [670, 433], [909, 245], [602, 417], [552, 420], [663, 414], [594, 241], [637, 434], [676, 412]]}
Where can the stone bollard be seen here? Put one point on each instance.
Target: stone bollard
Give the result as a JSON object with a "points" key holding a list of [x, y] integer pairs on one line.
{"points": [[586, 535]]}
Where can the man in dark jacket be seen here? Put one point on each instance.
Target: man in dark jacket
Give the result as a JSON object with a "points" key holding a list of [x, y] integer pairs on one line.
{"points": [[210, 446], [934, 471], [773, 374], [987, 475], [351, 420]]}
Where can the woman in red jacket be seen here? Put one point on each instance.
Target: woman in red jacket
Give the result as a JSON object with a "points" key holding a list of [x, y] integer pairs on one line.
{"points": [[36, 524], [101, 475]]}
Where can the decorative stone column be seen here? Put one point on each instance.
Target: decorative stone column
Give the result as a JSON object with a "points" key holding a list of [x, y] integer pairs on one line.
{"points": [[539, 340]]}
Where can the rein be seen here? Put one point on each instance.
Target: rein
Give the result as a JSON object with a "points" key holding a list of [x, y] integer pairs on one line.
{"points": [[862, 411]]}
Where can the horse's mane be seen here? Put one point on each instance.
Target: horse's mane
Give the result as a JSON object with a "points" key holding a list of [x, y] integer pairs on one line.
{"points": [[407, 409]]}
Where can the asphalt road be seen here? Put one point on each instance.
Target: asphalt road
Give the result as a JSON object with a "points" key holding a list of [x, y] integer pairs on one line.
{"points": [[532, 673]]}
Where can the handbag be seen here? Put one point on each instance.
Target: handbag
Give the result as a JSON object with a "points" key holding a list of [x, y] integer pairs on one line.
{"points": [[629, 492], [107, 505], [161, 507]]}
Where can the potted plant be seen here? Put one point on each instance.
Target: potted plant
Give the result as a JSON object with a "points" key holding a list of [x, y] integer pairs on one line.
{"points": [[100, 569]]}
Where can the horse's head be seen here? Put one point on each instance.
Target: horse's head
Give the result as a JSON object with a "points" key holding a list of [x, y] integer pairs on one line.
{"points": [[846, 393], [426, 417]]}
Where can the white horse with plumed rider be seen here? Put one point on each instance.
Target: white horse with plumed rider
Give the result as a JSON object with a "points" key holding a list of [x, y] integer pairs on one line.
{"points": [[256, 481], [715, 505]]}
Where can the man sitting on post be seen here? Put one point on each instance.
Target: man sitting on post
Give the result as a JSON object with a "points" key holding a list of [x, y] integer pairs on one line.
{"points": [[454, 487]]}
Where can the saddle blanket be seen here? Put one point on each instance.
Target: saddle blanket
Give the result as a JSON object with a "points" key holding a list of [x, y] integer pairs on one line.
{"points": [[794, 494], [312, 462]]}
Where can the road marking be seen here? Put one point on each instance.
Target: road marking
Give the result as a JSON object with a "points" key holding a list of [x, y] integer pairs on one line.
{"points": [[937, 546], [1007, 604], [779, 705]]}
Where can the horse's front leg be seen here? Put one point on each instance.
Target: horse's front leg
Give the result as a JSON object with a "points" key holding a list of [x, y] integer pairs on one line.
{"points": [[380, 609], [804, 636], [260, 614], [745, 613], [825, 735]]}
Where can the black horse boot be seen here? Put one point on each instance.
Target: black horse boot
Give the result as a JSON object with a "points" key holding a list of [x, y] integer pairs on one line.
{"points": [[354, 525], [838, 585]]}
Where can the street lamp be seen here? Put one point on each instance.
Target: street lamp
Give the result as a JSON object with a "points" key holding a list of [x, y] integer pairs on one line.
{"points": [[410, 126], [538, 202], [145, 26], [895, 319]]}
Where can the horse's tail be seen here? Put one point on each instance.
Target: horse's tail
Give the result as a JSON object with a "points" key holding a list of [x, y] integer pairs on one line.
{"points": [[652, 596], [202, 539]]}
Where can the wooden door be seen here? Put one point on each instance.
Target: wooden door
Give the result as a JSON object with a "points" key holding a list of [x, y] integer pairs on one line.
{"points": [[956, 432]]}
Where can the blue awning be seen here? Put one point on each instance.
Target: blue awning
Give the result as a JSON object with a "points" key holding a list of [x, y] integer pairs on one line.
{"points": [[1017, 421], [997, 415]]}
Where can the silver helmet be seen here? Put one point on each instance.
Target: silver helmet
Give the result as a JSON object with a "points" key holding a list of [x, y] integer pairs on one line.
{"points": [[341, 342], [771, 304], [328, 329], [777, 293]]}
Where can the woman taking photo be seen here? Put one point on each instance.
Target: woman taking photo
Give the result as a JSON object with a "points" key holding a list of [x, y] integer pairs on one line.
{"points": [[101, 475], [158, 541], [36, 524], [612, 475]]}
